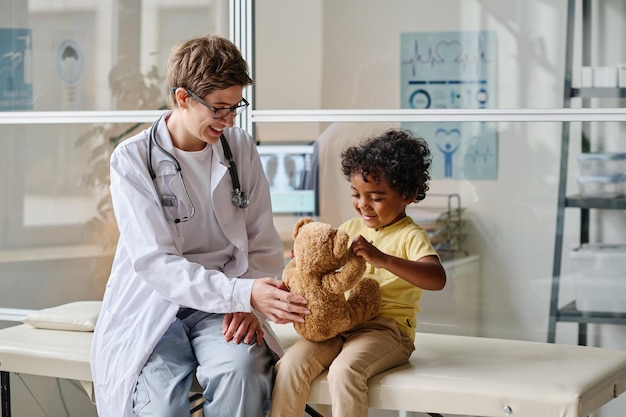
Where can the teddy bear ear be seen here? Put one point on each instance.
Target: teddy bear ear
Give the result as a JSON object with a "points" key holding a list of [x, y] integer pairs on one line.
{"points": [[340, 244], [301, 222]]}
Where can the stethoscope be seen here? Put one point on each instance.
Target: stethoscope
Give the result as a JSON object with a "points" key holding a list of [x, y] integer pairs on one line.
{"points": [[240, 198]]}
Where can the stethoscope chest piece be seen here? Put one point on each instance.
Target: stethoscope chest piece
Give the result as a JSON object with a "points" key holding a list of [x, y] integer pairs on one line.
{"points": [[240, 199]]}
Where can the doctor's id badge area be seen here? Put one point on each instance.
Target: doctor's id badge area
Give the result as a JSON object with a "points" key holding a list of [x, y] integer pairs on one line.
{"points": [[175, 200], [452, 70]]}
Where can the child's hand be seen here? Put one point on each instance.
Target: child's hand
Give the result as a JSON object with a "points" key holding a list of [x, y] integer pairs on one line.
{"points": [[426, 273], [361, 247]]}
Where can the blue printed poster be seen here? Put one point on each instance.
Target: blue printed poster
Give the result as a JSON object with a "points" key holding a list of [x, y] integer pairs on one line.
{"points": [[452, 70], [16, 71]]}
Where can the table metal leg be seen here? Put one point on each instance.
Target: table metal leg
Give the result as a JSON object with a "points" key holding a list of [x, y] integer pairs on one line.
{"points": [[5, 393], [312, 411]]}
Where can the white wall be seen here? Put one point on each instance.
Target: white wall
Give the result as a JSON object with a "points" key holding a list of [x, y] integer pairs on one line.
{"points": [[511, 220], [288, 62]]}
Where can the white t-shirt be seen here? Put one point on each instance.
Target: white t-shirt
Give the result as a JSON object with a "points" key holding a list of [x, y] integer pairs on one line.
{"points": [[202, 234]]}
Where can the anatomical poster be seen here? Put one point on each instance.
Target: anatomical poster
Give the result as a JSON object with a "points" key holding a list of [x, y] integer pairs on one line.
{"points": [[452, 70]]}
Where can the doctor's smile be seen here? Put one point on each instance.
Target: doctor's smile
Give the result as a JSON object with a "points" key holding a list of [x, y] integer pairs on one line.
{"points": [[211, 119]]}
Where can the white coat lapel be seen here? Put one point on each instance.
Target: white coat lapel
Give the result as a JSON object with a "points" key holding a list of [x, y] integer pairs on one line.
{"points": [[231, 219]]}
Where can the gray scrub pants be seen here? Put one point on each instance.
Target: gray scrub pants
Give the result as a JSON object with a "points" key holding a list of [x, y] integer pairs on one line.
{"points": [[237, 378]]}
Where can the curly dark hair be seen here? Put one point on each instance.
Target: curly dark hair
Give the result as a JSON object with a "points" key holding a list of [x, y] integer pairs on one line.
{"points": [[395, 156]]}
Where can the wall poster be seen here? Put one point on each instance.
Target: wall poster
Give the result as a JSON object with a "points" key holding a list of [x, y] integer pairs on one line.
{"points": [[452, 70], [16, 69]]}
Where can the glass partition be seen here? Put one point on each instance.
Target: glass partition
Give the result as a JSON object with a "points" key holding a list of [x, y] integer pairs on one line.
{"points": [[96, 55], [327, 74], [70, 72], [69, 57], [457, 55], [343, 75]]}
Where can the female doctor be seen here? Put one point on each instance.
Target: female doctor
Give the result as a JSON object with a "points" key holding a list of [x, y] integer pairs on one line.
{"points": [[195, 271]]}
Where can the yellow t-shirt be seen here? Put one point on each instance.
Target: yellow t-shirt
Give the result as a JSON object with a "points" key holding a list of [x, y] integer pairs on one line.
{"points": [[403, 239]]}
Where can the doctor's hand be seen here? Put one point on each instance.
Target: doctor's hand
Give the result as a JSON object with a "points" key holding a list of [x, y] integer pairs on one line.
{"points": [[271, 297], [242, 326]]}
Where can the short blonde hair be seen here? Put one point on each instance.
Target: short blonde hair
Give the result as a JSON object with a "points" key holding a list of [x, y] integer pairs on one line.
{"points": [[205, 64]]}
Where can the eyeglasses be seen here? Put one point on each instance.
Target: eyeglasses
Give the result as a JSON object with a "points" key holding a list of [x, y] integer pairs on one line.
{"points": [[220, 112]]}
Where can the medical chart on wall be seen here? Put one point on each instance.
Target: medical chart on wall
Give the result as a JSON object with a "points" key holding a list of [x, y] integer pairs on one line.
{"points": [[452, 70], [16, 69], [70, 62]]}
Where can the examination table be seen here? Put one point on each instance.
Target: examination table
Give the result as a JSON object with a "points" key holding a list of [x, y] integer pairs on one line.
{"points": [[446, 374]]}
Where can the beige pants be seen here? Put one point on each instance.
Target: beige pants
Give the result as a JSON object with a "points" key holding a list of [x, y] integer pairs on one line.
{"points": [[351, 359]]}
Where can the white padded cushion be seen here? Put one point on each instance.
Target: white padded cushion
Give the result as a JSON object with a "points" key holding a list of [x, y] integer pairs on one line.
{"points": [[80, 316]]}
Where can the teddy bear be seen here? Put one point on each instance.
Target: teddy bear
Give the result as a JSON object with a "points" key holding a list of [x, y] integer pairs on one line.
{"points": [[322, 269]]}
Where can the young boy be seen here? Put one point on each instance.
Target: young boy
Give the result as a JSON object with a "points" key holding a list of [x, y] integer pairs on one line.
{"points": [[387, 173], [194, 274]]}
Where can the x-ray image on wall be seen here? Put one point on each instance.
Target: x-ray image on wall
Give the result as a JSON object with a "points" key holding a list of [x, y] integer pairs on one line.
{"points": [[453, 70], [287, 168], [284, 171]]}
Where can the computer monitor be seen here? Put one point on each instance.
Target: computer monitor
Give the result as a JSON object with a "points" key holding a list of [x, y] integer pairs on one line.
{"points": [[291, 170]]}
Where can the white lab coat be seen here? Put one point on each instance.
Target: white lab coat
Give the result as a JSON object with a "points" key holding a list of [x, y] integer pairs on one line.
{"points": [[150, 278]]}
